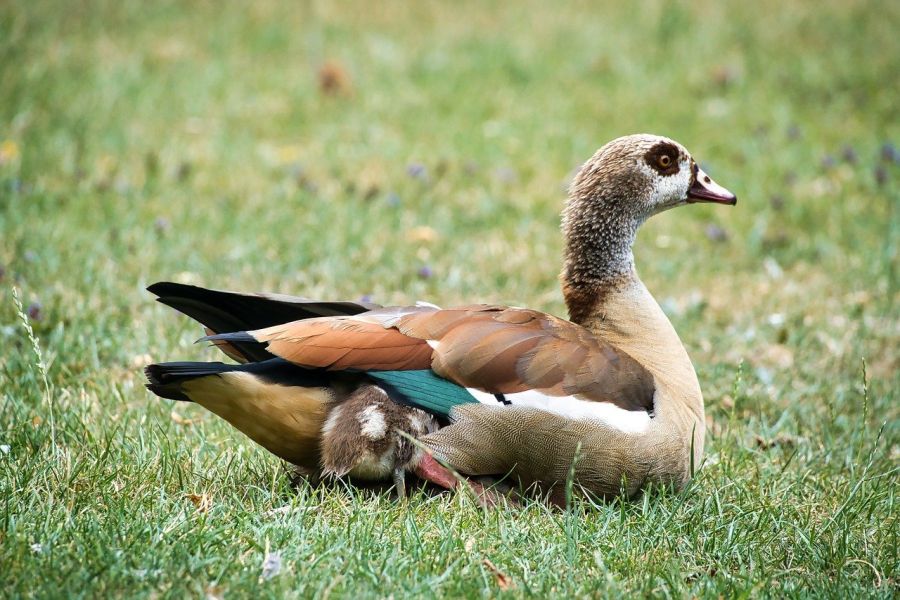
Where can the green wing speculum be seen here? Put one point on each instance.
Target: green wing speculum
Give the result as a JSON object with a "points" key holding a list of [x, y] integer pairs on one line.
{"points": [[423, 389]]}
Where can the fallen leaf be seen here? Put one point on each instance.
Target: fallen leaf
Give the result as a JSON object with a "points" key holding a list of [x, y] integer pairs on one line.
{"points": [[187, 277], [271, 565], [142, 574], [423, 233], [141, 360], [36, 420], [281, 510], [859, 297], [333, 79], [782, 439], [779, 356], [202, 502], [9, 151], [773, 269], [725, 75], [183, 172], [290, 153], [179, 420], [504, 581]]}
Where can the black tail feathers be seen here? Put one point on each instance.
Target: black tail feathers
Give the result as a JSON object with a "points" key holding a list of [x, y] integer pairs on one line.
{"points": [[232, 337], [166, 379], [226, 312]]}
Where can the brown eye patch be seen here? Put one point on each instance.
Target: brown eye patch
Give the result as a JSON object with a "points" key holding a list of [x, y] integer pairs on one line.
{"points": [[663, 158]]}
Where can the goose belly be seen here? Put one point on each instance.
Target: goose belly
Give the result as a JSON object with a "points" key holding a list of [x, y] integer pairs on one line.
{"points": [[285, 420]]}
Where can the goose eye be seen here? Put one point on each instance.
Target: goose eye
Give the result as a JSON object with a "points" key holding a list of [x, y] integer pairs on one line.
{"points": [[663, 158]]}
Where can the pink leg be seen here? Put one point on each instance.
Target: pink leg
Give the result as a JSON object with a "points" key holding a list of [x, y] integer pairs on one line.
{"points": [[431, 470]]}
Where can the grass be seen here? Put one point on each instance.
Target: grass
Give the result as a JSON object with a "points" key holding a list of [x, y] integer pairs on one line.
{"points": [[146, 141]]}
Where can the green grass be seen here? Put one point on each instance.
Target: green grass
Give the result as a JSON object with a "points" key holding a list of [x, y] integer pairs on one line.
{"points": [[144, 141]]}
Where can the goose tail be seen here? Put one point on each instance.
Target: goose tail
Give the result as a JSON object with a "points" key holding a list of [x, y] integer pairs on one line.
{"points": [[166, 379]]}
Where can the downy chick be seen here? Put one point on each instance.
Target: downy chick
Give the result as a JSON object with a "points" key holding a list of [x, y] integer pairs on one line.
{"points": [[362, 437]]}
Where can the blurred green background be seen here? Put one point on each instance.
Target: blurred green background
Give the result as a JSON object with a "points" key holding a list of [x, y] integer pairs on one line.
{"points": [[406, 151]]}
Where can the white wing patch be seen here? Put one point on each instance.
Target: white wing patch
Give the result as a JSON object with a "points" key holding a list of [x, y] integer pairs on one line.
{"points": [[485, 397], [628, 421]]}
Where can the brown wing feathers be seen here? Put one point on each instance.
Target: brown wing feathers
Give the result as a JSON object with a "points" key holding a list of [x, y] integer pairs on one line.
{"points": [[485, 354], [345, 343], [496, 349], [508, 350]]}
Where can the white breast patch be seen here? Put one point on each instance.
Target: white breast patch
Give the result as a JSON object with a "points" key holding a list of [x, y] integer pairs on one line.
{"points": [[628, 421]]}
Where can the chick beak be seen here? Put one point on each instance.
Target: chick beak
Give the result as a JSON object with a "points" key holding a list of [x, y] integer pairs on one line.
{"points": [[704, 189]]}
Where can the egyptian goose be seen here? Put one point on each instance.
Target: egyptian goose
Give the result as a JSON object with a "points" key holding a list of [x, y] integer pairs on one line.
{"points": [[610, 396]]}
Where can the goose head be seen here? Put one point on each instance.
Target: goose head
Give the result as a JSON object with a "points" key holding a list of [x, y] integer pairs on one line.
{"points": [[642, 175], [626, 182]]}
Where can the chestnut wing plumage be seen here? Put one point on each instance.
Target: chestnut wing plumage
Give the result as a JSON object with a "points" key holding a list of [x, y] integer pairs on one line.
{"points": [[359, 342], [513, 352]]}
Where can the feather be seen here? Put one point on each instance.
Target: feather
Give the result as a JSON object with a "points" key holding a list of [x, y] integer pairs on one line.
{"points": [[225, 312], [277, 404], [423, 389], [495, 349]]}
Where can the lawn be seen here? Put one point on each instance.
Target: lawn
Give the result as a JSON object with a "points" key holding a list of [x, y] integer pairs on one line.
{"points": [[421, 151]]}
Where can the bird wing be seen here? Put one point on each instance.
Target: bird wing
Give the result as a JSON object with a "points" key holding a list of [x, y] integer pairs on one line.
{"points": [[494, 349]]}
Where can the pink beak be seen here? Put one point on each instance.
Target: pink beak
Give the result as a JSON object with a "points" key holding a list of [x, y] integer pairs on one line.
{"points": [[704, 189]]}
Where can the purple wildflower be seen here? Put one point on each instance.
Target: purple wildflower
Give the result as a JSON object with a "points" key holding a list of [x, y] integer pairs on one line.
{"points": [[506, 175], [849, 154], [417, 171], [716, 233], [34, 311]]}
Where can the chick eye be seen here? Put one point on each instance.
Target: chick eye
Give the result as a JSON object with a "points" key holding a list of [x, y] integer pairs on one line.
{"points": [[665, 161]]}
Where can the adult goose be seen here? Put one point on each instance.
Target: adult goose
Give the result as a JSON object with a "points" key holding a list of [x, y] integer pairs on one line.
{"points": [[609, 396]]}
